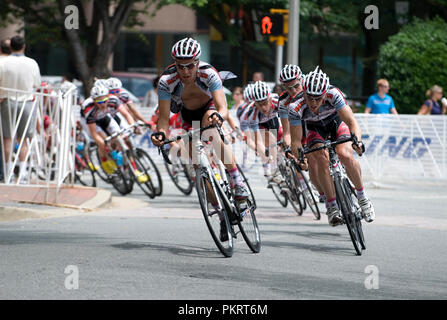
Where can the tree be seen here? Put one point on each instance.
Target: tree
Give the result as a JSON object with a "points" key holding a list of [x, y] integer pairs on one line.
{"points": [[414, 60], [91, 45]]}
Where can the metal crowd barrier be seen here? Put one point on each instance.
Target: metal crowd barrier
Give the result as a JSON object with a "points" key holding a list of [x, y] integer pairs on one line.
{"points": [[51, 150]]}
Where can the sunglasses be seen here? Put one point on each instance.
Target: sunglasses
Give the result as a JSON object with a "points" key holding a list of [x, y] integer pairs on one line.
{"points": [[313, 98], [101, 101], [295, 86], [114, 91], [187, 66]]}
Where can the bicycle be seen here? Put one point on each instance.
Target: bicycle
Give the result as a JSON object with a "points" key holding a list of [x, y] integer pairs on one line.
{"points": [[346, 197], [212, 185], [137, 162]]}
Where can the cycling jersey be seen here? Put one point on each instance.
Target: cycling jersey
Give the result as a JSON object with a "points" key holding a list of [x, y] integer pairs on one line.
{"points": [[170, 86], [124, 97], [267, 121], [242, 114], [333, 102], [106, 119], [290, 107]]}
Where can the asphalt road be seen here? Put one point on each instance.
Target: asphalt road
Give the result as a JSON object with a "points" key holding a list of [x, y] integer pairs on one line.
{"points": [[139, 248]]}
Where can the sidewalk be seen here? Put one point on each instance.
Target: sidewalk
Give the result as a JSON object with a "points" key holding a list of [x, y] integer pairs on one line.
{"points": [[19, 202]]}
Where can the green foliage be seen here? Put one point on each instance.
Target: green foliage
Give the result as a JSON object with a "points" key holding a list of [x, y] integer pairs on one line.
{"points": [[414, 60]]}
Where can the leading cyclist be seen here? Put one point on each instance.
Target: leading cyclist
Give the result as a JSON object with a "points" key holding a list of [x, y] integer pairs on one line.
{"points": [[194, 88]]}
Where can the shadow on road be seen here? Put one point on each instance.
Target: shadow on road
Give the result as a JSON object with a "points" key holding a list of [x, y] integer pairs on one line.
{"points": [[180, 250], [327, 249]]}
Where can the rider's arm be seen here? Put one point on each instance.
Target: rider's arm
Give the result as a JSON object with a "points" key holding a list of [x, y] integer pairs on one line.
{"points": [[220, 101], [134, 111], [286, 131], [296, 133], [164, 107], [347, 116], [125, 112]]}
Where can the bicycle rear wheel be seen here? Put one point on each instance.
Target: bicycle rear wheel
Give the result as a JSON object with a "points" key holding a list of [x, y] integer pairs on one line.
{"points": [[120, 182], [249, 228], [348, 217], [83, 174], [180, 176], [151, 170], [214, 217]]}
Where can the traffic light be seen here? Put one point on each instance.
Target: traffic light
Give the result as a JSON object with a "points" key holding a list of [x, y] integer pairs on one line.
{"points": [[272, 24]]}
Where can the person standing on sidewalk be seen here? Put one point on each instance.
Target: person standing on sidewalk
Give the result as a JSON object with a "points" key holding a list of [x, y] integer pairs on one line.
{"points": [[381, 102], [21, 73], [5, 50]]}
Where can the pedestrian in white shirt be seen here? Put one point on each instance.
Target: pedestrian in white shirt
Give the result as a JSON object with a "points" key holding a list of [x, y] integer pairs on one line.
{"points": [[20, 73]]}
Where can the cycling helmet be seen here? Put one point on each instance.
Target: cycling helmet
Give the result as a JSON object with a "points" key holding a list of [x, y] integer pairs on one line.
{"points": [[100, 82], [261, 91], [114, 83], [248, 93], [316, 82], [290, 72], [187, 48], [99, 91]]}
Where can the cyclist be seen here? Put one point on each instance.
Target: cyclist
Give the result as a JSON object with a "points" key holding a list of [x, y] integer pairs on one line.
{"points": [[327, 115], [264, 115], [100, 110], [291, 101], [115, 87], [242, 116], [194, 88]]}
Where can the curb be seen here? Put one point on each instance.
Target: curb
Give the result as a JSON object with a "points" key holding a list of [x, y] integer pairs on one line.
{"points": [[15, 213]]}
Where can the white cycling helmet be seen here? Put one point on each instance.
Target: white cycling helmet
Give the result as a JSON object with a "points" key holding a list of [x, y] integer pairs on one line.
{"points": [[100, 82], [248, 92], [261, 91], [114, 83], [187, 48], [316, 82], [99, 91], [290, 72]]}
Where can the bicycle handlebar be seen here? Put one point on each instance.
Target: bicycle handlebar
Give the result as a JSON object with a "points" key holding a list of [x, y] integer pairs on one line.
{"points": [[328, 144]]}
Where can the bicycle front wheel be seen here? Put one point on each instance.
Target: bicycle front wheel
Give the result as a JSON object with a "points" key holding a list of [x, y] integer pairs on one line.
{"points": [[151, 170], [348, 216], [93, 155], [216, 218], [251, 196], [357, 211], [180, 176], [83, 173], [140, 175]]}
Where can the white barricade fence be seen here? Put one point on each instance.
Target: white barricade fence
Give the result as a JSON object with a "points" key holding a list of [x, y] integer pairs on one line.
{"points": [[404, 146], [49, 152]]}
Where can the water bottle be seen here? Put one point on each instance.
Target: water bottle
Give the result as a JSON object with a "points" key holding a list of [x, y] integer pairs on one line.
{"points": [[80, 146], [119, 158]]}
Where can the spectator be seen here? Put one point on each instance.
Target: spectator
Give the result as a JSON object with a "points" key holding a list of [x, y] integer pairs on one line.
{"points": [[20, 73], [238, 98], [67, 77], [258, 76], [381, 102], [431, 106], [5, 48]]}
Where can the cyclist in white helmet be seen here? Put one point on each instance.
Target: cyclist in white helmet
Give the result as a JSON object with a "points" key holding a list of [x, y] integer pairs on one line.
{"points": [[194, 88], [264, 115], [115, 87], [291, 102], [327, 114]]}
